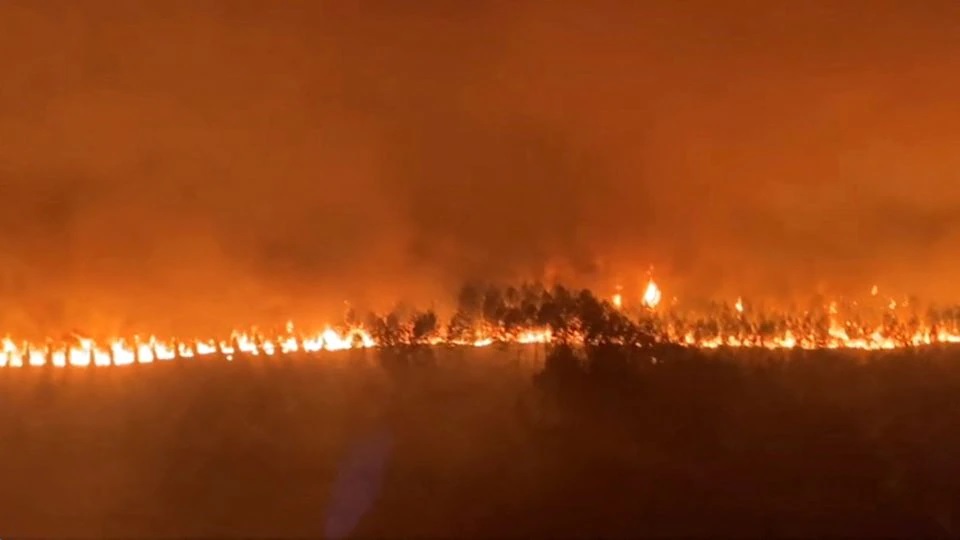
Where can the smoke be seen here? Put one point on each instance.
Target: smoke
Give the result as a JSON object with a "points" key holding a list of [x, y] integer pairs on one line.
{"points": [[182, 164]]}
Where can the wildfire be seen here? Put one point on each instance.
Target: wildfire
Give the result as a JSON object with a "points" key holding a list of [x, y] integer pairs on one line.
{"points": [[651, 295], [831, 328]]}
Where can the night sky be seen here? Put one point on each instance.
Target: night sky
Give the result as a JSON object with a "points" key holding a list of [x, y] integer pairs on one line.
{"points": [[195, 164]]}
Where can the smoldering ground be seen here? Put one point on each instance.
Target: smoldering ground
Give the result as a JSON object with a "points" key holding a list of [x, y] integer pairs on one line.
{"points": [[166, 165]]}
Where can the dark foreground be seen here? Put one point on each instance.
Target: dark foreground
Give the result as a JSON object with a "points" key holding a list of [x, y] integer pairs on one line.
{"points": [[485, 443]]}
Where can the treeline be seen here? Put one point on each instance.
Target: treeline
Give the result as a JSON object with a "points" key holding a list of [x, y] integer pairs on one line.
{"points": [[497, 312], [501, 312]]}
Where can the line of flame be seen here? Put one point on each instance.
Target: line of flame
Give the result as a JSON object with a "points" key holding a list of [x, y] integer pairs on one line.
{"points": [[84, 351]]}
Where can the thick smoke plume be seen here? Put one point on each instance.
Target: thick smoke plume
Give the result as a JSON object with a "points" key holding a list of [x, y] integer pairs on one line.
{"points": [[185, 163]]}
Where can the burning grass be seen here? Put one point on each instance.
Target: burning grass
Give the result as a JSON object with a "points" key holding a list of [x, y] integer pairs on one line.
{"points": [[532, 314]]}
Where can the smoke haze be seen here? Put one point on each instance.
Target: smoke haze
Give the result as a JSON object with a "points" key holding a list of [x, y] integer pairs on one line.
{"points": [[193, 162]]}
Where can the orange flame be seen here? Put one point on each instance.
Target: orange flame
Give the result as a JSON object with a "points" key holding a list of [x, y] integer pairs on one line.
{"points": [[651, 295], [81, 351]]}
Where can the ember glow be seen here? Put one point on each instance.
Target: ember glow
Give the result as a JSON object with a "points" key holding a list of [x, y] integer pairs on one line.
{"points": [[838, 325]]}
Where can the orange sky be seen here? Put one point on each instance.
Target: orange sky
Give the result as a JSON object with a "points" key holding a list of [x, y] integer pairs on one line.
{"points": [[202, 160]]}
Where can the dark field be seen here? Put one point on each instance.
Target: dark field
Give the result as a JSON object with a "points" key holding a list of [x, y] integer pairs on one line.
{"points": [[487, 443]]}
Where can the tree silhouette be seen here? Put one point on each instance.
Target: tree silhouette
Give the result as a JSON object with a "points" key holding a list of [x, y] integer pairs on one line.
{"points": [[494, 307], [461, 326], [424, 327], [470, 299], [388, 331]]}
